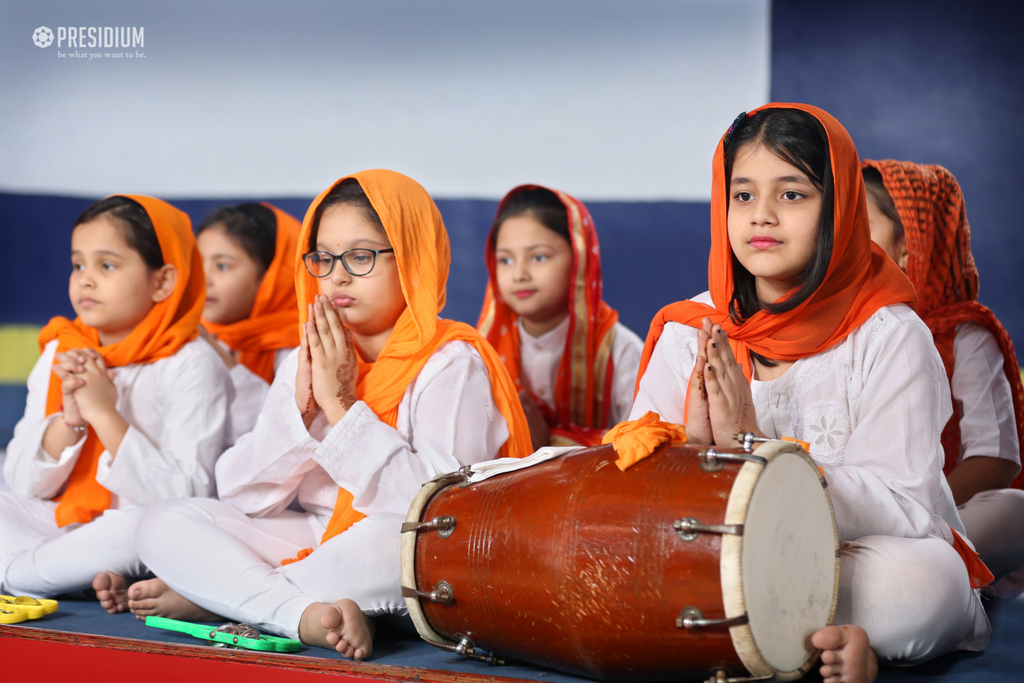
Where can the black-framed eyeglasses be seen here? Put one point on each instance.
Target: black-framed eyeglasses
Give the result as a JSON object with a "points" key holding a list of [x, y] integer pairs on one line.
{"points": [[357, 262]]}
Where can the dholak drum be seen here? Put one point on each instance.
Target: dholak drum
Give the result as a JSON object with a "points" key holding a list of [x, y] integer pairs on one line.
{"points": [[693, 562]]}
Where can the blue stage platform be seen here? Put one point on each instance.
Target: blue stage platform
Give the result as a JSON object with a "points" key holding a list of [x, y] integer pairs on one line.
{"points": [[84, 643]]}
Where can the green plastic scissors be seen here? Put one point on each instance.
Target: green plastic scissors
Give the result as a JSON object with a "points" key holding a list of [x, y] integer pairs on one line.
{"points": [[263, 642]]}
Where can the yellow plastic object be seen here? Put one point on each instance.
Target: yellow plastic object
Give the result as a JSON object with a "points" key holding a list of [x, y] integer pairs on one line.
{"points": [[12, 615], [32, 607]]}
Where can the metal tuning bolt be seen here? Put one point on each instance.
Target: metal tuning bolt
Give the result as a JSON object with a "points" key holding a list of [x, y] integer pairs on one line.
{"points": [[691, 618], [748, 440], [444, 525], [442, 593], [722, 676], [690, 528], [712, 461], [465, 646], [684, 528], [709, 460]]}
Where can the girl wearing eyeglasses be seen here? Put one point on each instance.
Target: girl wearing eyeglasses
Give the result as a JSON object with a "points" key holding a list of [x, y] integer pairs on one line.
{"points": [[381, 396], [250, 316]]}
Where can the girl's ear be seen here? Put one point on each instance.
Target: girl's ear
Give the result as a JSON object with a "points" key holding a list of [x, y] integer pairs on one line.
{"points": [[902, 253], [164, 281]]}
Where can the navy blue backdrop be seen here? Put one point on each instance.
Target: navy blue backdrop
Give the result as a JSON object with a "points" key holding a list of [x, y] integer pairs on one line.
{"points": [[938, 82], [651, 252]]}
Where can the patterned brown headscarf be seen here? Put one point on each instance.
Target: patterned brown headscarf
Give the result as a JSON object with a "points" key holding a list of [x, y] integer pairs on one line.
{"points": [[941, 266]]}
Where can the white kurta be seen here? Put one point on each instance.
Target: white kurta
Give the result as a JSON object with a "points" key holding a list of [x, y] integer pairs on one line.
{"points": [[250, 390], [872, 408], [176, 409], [979, 385], [540, 357], [994, 519], [286, 480]]}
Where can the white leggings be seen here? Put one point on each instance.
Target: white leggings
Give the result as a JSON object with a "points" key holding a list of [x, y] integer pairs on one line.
{"points": [[39, 558], [230, 564], [995, 524], [912, 596]]}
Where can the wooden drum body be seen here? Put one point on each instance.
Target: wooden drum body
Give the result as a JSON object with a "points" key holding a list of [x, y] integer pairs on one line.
{"points": [[692, 562]]}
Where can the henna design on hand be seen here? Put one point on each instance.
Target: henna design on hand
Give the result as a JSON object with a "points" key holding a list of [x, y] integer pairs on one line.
{"points": [[309, 412], [745, 413], [346, 393]]}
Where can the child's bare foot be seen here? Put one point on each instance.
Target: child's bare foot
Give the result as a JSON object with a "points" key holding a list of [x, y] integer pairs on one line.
{"points": [[154, 598], [846, 655], [341, 626], [112, 591]]}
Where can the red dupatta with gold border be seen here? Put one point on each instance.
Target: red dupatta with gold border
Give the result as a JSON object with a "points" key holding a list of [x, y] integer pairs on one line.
{"points": [[583, 387]]}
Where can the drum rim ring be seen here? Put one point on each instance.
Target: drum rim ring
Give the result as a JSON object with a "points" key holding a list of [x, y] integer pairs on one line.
{"points": [[419, 504], [742, 635]]}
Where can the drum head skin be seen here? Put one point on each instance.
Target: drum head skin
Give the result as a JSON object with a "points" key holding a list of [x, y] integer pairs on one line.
{"points": [[784, 570]]}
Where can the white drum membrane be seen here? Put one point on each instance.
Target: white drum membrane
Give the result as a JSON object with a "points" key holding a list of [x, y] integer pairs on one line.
{"points": [[787, 561]]}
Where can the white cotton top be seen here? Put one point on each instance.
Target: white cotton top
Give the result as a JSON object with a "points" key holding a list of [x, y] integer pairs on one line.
{"points": [[176, 409], [446, 419], [250, 390], [872, 408], [980, 387], [539, 358]]}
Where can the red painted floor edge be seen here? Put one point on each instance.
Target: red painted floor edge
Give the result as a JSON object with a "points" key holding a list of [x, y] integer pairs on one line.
{"points": [[32, 653]]}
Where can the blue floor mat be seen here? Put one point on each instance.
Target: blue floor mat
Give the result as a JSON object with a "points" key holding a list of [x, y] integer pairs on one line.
{"points": [[1003, 660], [398, 645]]}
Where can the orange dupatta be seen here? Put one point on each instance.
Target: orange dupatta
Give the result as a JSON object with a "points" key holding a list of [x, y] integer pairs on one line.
{"points": [[860, 279], [583, 388], [167, 327], [941, 266], [417, 233], [273, 323]]}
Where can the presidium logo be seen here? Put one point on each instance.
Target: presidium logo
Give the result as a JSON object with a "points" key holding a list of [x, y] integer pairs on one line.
{"points": [[94, 37], [42, 37]]}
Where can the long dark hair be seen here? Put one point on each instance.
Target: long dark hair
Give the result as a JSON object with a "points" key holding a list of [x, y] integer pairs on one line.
{"points": [[252, 226], [348, 191], [799, 139], [139, 232], [539, 203]]}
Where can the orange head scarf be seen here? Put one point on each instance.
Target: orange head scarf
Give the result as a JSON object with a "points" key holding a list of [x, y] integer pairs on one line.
{"points": [[273, 323], [941, 266], [583, 386], [169, 325], [416, 232], [860, 278]]}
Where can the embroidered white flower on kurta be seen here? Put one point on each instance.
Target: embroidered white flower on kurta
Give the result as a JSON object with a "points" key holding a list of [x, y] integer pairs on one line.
{"points": [[827, 432]]}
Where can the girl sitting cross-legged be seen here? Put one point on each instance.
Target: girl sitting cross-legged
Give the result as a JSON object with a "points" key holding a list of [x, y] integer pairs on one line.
{"points": [[807, 332], [126, 406], [381, 396]]}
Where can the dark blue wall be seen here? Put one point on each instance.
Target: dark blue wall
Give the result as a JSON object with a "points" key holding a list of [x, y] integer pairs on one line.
{"points": [[937, 82], [653, 253]]}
